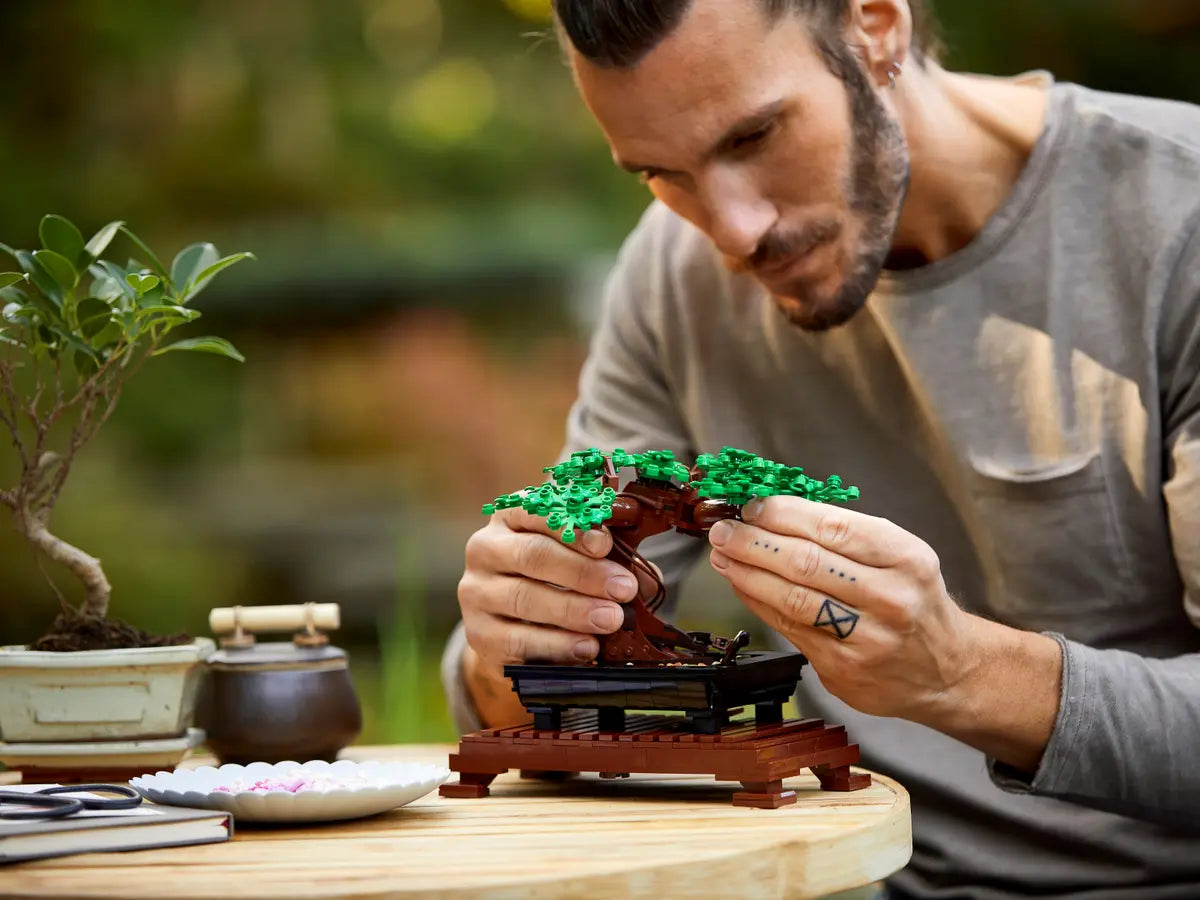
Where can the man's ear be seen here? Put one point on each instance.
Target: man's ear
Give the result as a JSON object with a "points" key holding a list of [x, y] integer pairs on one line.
{"points": [[881, 32]]}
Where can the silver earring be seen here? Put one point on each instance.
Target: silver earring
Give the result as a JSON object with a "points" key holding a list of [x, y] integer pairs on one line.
{"points": [[894, 71]]}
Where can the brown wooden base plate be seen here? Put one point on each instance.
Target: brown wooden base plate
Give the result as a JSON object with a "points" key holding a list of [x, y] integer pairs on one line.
{"points": [[759, 757], [79, 774]]}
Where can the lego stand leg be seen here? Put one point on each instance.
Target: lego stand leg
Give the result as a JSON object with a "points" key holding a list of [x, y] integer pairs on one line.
{"points": [[611, 718], [770, 713], [470, 785], [709, 721], [840, 778], [764, 795], [546, 718]]}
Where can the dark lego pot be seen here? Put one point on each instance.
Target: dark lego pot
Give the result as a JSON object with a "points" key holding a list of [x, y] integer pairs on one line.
{"points": [[707, 694]]}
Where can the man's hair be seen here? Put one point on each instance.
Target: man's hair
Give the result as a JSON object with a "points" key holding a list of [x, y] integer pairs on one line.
{"points": [[619, 33]]}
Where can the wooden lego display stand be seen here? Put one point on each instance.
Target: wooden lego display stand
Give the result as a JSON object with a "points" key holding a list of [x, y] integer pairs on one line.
{"points": [[581, 724], [756, 756]]}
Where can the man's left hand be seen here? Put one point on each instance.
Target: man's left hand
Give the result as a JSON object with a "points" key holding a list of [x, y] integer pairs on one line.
{"points": [[861, 597]]}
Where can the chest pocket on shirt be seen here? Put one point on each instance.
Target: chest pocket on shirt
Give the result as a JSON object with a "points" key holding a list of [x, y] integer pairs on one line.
{"points": [[1054, 536]]}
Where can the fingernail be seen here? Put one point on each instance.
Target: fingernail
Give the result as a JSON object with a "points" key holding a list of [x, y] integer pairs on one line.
{"points": [[593, 541], [719, 560], [720, 533], [607, 618], [752, 510], [585, 650], [621, 587]]}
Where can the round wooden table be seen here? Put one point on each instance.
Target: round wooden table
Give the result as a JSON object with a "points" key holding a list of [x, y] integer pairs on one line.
{"points": [[645, 836]]}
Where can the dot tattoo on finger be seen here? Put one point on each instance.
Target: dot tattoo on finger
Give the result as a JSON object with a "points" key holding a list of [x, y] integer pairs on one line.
{"points": [[836, 617]]}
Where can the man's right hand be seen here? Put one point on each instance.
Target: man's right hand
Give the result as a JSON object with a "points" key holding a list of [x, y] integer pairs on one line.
{"points": [[528, 597]]}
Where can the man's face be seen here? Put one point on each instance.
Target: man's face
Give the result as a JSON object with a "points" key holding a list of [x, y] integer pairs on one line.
{"points": [[738, 125]]}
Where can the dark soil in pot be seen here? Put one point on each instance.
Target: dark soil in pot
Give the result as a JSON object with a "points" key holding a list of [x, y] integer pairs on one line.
{"points": [[74, 631]]}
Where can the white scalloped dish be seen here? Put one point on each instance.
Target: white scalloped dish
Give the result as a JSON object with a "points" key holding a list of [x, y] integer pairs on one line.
{"points": [[314, 791]]}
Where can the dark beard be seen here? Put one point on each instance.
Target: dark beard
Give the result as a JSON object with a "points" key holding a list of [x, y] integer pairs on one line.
{"points": [[879, 173]]}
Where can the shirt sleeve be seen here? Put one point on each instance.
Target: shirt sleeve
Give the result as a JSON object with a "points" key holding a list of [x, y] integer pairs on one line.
{"points": [[624, 400], [1128, 726], [463, 713]]}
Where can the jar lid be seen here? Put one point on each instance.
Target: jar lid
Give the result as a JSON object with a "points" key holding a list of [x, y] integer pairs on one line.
{"points": [[274, 653]]}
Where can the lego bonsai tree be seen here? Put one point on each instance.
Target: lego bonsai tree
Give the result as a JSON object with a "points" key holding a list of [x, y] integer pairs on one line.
{"points": [[75, 326], [584, 493]]}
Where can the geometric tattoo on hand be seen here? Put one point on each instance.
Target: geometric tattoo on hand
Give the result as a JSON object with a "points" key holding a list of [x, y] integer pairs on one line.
{"points": [[837, 618]]}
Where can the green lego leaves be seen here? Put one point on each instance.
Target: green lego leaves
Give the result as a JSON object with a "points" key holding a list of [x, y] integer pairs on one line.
{"points": [[567, 507], [590, 465], [738, 476], [658, 465], [576, 500], [583, 466]]}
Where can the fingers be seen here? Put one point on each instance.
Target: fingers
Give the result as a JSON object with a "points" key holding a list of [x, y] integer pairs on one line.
{"points": [[526, 600], [796, 561], [784, 604], [595, 542], [504, 642], [647, 582], [536, 555], [868, 540], [525, 595], [808, 641], [798, 586]]}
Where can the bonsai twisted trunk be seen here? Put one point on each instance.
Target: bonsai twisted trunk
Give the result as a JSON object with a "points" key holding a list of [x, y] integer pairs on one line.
{"points": [[44, 472], [84, 567]]}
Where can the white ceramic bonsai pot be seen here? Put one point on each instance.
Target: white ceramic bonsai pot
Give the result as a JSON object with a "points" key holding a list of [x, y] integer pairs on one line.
{"points": [[99, 695]]}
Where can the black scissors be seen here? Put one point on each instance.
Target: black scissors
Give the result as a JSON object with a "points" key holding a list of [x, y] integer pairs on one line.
{"points": [[51, 807]]}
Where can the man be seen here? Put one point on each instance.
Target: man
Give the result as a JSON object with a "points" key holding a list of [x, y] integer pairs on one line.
{"points": [[976, 299]]}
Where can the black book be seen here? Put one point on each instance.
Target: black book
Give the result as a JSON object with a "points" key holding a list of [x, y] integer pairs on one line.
{"points": [[173, 827]]}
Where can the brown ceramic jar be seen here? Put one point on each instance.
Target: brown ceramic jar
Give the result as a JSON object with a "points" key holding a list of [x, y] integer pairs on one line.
{"points": [[277, 701]]}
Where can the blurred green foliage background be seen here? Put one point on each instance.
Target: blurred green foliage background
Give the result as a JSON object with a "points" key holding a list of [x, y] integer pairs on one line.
{"points": [[432, 211]]}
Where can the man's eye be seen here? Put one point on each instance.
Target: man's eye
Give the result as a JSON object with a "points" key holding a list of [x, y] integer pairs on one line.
{"points": [[754, 137]]}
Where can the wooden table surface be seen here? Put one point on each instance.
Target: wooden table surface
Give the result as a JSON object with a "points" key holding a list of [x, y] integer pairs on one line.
{"points": [[645, 836]]}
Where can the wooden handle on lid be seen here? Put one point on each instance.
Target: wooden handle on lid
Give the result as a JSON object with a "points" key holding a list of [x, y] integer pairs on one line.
{"points": [[258, 619]]}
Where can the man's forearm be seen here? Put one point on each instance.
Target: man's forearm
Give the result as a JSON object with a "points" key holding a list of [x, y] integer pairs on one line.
{"points": [[491, 693], [1006, 702]]}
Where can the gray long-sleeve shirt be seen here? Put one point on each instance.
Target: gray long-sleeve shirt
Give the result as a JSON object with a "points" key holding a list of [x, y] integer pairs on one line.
{"points": [[1030, 406]]}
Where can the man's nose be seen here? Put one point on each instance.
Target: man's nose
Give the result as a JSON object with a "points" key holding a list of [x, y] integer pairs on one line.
{"points": [[739, 218]]}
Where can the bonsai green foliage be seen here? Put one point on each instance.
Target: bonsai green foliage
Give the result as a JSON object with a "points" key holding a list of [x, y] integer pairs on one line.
{"points": [[75, 326], [571, 506], [738, 476], [657, 465], [574, 499], [583, 466], [588, 465]]}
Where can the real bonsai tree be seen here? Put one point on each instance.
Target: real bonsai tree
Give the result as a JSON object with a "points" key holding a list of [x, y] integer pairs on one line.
{"points": [[75, 326]]}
